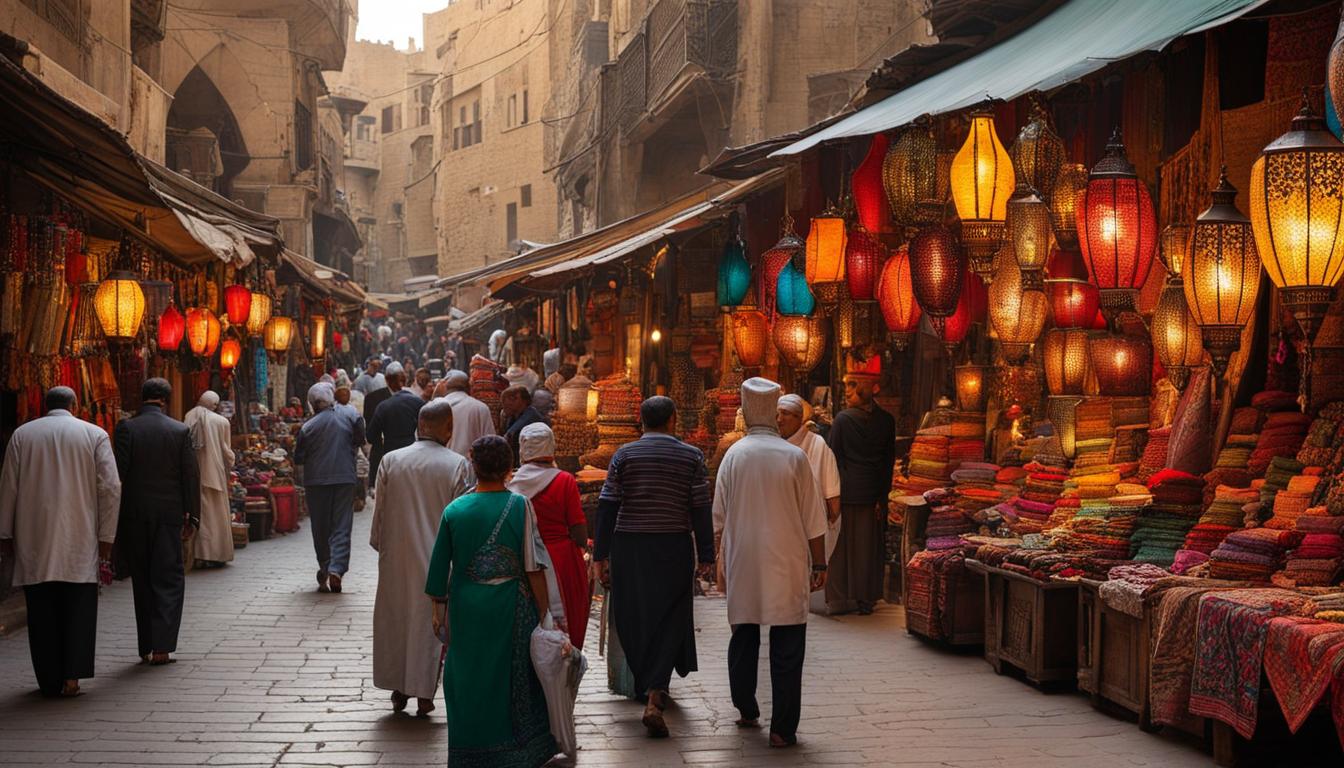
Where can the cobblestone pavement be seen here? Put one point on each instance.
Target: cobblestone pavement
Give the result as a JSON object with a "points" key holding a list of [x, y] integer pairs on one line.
{"points": [[270, 673]]}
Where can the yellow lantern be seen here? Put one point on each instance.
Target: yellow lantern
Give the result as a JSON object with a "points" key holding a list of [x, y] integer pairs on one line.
{"points": [[825, 255], [1065, 358], [982, 181], [1016, 314], [317, 336], [801, 341], [1176, 336], [1029, 232], [278, 334], [1174, 248], [972, 386], [1222, 276], [119, 303], [259, 314], [202, 331], [1061, 411], [1068, 190], [229, 353]]}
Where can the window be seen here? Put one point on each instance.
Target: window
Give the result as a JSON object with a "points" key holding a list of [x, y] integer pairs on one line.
{"points": [[392, 118], [467, 126], [526, 195], [303, 137], [476, 120], [425, 97], [512, 114], [524, 106], [510, 224]]}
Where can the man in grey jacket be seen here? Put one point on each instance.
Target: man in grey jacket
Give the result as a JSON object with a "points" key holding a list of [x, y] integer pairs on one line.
{"points": [[326, 449]]}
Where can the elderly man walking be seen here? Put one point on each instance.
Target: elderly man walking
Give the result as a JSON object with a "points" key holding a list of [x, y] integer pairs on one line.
{"points": [[770, 510], [213, 544], [795, 425], [471, 417], [415, 484], [59, 497], [160, 509], [393, 422], [326, 449]]}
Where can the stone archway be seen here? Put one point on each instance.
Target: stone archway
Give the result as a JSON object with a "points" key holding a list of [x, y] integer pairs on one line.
{"points": [[204, 139]]}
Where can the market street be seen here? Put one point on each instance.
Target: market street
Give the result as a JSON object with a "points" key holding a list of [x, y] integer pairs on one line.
{"points": [[273, 673]]}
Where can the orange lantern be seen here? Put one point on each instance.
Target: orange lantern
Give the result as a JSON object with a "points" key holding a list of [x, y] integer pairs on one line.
{"points": [[259, 314], [982, 180], [317, 336], [825, 266], [229, 353], [279, 333], [751, 331], [801, 341], [1123, 365], [896, 297], [1016, 314], [238, 304], [1065, 358], [202, 331], [972, 384], [1176, 336]]}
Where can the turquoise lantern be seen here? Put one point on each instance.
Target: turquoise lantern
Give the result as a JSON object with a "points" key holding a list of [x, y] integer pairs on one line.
{"points": [[792, 296], [734, 273]]}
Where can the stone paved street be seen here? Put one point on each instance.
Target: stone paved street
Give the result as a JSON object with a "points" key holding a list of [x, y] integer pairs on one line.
{"points": [[271, 673]]}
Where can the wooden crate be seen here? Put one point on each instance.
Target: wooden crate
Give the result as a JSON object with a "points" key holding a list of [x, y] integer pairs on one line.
{"points": [[1030, 624], [1114, 650]]}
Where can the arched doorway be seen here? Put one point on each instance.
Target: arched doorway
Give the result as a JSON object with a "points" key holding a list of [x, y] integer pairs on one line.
{"points": [[204, 141]]}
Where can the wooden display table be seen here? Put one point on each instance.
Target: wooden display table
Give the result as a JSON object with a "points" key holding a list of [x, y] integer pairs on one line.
{"points": [[1030, 624], [1114, 649]]}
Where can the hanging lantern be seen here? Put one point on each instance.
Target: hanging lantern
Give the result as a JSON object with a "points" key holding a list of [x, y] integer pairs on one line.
{"points": [[896, 297], [1065, 358], [120, 305], [910, 176], [202, 331], [1064, 197], [789, 250], [751, 332], [1123, 365], [1038, 153], [864, 256], [237, 304], [259, 314], [982, 182], [734, 273], [1175, 248], [229, 353], [1334, 76], [845, 321], [938, 271], [1176, 337], [1222, 276], [825, 265], [1016, 314], [792, 296], [1117, 230], [801, 342], [870, 200], [1073, 303], [972, 385], [1061, 411], [278, 334], [1297, 213], [970, 309], [317, 336], [172, 327], [1029, 232]]}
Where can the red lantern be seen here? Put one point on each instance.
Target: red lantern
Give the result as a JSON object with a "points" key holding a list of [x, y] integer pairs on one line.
{"points": [[938, 270], [773, 261], [1073, 303], [172, 327], [896, 296], [870, 197], [238, 304], [864, 256], [202, 331], [229, 353], [1117, 229], [1065, 264], [1123, 365], [953, 329]]}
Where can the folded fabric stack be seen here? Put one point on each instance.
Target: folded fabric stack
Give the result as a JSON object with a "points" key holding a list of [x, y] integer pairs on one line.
{"points": [[1221, 517], [1253, 554], [1318, 448], [1129, 444], [1129, 412], [1164, 524], [928, 461], [1291, 502], [1154, 453], [1100, 529], [976, 489], [1316, 561], [1281, 435], [946, 522], [1093, 431], [1280, 472], [968, 438], [932, 578], [1125, 586]]}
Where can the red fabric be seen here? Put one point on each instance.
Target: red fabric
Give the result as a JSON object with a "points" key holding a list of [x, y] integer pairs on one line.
{"points": [[1174, 476], [1190, 449], [1302, 658], [558, 507]]}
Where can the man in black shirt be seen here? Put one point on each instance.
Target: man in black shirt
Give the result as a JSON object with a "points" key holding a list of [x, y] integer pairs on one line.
{"points": [[394, 421]]}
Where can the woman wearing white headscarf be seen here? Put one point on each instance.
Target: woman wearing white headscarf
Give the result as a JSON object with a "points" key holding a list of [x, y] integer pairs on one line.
{"points": [[210, 437], [561, 523]]}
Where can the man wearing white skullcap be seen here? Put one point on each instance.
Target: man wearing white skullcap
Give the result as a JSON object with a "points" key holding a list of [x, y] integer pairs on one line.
{"points": [[325, 448], [795, 425], [770, 510]]}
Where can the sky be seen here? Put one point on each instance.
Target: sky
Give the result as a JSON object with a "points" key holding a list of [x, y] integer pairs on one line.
{"points": [[394, 20]]}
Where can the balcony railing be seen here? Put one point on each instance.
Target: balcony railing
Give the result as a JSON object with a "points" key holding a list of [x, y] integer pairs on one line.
{"points": [[678, 38]]}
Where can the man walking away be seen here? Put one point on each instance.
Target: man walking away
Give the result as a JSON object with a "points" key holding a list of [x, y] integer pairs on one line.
{"points": [[656, 495], [863, 438], [326, 449], [471, 417], [59, 497], [393, 422], [795, 425], [213, 544], [160, 509], [769, 508], [517, 402], [415, 484]]}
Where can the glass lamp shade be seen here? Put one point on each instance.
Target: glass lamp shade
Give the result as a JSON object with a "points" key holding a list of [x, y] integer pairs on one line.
{"points": [[910, 176], [792, 296], [801, 341], [1222, 276], [773, 261], [1017, 315], [826, 249], [229, 353], [972, 385], [970, 309], [1038, 153], [1064, 197], [1066, 358], [734, 274], [1073, 303], [237, 304], [119, 303], [751, 333], [172, 327], [1176, 337], [864, 256], [317, 336], [982, 180], [1030, 233], [1175, 248], [258, 315], [870, 199], [896, 293], [1117, 229], [938, 270], [1123, 365], [202, 331], [278, 334]]}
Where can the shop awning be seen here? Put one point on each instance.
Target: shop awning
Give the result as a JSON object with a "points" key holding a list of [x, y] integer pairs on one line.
{"points": [[73, 152], [321, 280], [486, 319], [1078, 38], [409, 302]]}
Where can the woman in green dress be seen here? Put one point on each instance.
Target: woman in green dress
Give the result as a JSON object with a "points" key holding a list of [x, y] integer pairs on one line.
{"points": [[487, 568]]}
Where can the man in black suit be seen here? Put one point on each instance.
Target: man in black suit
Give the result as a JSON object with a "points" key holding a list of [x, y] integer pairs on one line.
{"points": [[160, 508], [394, 420]]}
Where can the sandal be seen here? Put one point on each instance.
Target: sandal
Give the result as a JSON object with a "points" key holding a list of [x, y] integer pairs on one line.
{"points": [[160, 659], [71, 691], [334, 582], [653, 719]]}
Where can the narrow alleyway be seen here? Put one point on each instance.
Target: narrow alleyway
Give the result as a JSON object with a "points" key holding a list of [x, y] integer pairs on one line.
{"points": [[271, 673]]}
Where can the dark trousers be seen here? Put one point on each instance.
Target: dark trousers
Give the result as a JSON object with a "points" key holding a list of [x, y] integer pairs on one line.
{"points": [[154, 556], [787, 644], [652, 582], [331, 510], [62, 628]]}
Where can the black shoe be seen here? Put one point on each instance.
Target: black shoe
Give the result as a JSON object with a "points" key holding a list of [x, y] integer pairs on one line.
{"points": [[322, 581]]}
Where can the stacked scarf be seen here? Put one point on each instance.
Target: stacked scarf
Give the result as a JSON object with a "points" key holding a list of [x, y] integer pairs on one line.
{"points": [[1253, 554], [1281, 436], [1154, 453], [1163, 526], [1280, 471], [1291, 502]]}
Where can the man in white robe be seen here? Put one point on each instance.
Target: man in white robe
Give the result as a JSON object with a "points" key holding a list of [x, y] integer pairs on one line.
{"points": [[213, 544], [415, 483], [770, 510], [471, 417], [795, 425], [60, 497]]}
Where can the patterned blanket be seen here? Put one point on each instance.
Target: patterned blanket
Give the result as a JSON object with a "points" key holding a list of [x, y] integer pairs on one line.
{"points": [[1304, 657]]}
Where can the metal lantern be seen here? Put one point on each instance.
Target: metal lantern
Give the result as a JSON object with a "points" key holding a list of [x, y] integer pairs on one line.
{"points": [[172, 327], [229, 353], [1334, 74], [896, 297], [1030, 234], [1222, 276], [237, 304], [202, 331], [120, 305], [982, 181], [751, 333], [938, 271], [734, 273], [792, 296], [1064, 197], [789, 250], [870, 199], [864, 256], [259, 314], [1117, 229], [972, 385], [970, 309], [1123, 365], [1061, 410], [1065, 358], [317, 336], [1038, 153], [1016, 313], [1175, 248], [279, 334], [825, 266], [1066, 264], [910, 176], [1297, 214], [801, 342], [1073, 303], [1176, 337]]}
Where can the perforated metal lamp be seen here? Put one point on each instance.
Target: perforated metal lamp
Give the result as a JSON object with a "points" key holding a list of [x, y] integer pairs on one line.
{"points": [[119, 304], [825, 269], [1038, 153], [896, 297], [910, 177], [1016, 313], [982, 180], [1177, 340], [1029, 232], [801, 342], [1117, 229], [1064, 196], [751, 333], [938, 270], [972, 386], [734, 274], [789, 250], [1222, 277]]}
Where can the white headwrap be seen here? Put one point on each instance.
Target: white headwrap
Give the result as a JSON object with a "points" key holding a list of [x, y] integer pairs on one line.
{"points": [[536, 441], [209, 400], [321, 394], [393, 369], [760, 404], [793, 404]]}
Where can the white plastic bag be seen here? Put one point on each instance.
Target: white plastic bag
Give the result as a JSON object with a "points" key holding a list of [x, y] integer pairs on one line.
{"points": [[560, 667]]}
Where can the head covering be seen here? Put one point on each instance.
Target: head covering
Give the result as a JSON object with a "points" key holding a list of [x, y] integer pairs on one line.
{"points": [[321, 394], [457, 380], [543, 401], [536, 441], [550, 361], [342, 379], [327, 379], [793, 404], [868, 370], [394, 369], [760, 403], [209, 399]]}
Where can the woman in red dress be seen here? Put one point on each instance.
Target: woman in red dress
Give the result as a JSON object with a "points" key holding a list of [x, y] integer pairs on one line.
{"points": [[560, 521]]}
